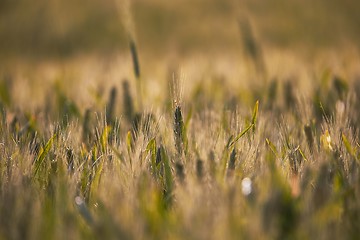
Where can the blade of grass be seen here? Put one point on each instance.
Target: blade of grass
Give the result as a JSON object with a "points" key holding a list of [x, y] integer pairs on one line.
{"points": [[247, 129], [272, 147], [255, 113]]}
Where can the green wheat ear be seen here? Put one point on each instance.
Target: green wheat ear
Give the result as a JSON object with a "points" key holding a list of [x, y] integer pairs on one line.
{"points": [[110, 108], [178, 130], [199, 169], [341, 87], [87, 134], [180, 172], [127, 102], [290, 100], [136, 65], [231, 164], [309, 137], [135, 58], [251, 46], [272, 94], [212, 163]]}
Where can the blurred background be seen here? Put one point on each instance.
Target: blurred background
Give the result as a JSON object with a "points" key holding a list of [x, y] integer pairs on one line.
{"points": [[44, 29]]}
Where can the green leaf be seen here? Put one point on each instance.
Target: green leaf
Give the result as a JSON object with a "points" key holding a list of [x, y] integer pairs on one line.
{"points": [[168, 174], [240, 135], [43, 153], [272, 147], [255, 113], [302, 154], [96, 180]]}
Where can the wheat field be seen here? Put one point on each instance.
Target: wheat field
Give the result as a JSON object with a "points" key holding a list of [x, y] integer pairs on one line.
{"points": [[213, 127]]}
